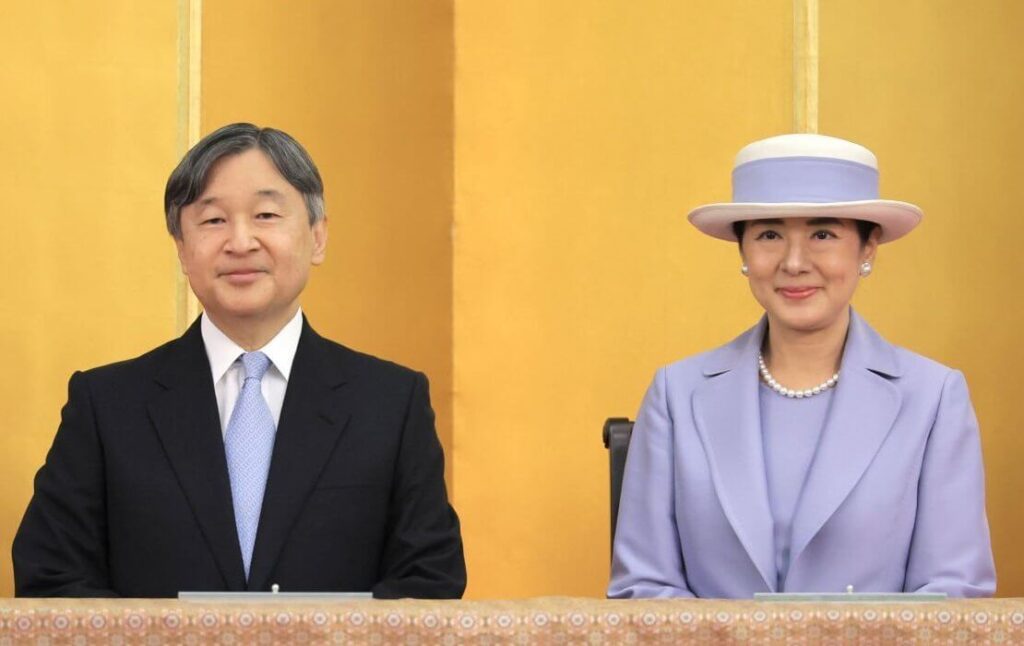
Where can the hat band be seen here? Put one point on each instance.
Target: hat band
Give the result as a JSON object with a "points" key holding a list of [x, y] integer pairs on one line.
{"points": [[804, 179]]}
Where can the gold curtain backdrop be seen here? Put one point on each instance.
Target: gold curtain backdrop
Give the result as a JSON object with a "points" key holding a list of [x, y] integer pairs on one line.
{"points": [[506, 190]]}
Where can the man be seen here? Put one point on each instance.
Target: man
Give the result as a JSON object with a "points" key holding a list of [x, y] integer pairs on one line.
{"points": [[251, 451]]}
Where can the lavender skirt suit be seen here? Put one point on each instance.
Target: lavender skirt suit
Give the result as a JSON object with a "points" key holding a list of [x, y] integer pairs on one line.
{"points": [[893, 499]]}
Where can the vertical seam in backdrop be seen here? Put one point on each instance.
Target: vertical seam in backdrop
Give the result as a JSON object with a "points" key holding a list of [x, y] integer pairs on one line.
{"points": [[190, 50], [805, 65]]}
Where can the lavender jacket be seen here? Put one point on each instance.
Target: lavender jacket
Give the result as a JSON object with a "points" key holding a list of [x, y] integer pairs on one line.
{"points": [[894, 498]]}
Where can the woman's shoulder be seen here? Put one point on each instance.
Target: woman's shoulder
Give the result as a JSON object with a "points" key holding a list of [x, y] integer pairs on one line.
{"points": [[906, 369], [717, 360], [918, 369]]}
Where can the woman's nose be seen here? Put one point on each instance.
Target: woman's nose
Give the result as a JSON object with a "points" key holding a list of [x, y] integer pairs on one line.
{"points": [[795, 260]]}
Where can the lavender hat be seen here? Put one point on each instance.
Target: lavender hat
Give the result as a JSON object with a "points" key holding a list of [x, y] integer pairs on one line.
{"points": [[806, 175]]}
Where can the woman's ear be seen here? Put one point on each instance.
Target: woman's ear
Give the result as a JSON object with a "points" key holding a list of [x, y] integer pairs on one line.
{"points": [[870, 247]]}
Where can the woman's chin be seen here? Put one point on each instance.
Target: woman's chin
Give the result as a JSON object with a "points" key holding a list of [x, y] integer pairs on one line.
{"points": [[805, 322]]}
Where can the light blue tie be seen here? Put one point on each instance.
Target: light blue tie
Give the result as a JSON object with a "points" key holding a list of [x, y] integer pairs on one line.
{"points": [[248, 443]]}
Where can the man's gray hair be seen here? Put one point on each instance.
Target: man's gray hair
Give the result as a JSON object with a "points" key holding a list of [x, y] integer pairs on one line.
{"points": [[188, 181]]}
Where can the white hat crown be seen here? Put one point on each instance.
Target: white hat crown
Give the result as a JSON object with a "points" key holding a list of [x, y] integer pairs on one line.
{"points": [[806, 145], [806, 175]]}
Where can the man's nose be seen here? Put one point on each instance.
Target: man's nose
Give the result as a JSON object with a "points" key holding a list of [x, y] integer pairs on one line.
{"points": [[242, 238]]}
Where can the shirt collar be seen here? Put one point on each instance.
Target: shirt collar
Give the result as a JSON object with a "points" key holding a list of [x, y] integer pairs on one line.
{"points": [[222, 352]]}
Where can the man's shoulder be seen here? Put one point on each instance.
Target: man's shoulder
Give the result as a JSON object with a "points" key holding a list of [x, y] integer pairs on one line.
{"points": [[363, 364], [135, 367]]}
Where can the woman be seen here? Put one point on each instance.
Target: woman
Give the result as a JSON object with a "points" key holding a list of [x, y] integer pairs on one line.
{"points": [[808, 454]]}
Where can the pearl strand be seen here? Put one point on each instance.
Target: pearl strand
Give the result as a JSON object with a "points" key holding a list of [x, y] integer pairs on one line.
{"points": [[787, 392]]}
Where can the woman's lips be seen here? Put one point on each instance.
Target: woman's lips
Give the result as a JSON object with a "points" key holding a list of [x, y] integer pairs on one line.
{"points": [[797, 293]]}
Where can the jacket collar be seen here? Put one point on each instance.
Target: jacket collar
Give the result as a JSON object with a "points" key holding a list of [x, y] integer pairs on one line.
{"points": [[864, 348], [184, 413], [863, 411], [313, 416], [316, 410], [728, 420]]}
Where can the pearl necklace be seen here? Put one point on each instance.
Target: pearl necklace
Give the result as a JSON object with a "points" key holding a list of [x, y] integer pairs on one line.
{"points": [[786, 392]]}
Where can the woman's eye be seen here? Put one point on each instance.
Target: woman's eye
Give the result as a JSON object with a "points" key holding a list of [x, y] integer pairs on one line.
{"points": [[768, 235], [266, 216], [823, 235], [212, 221]]}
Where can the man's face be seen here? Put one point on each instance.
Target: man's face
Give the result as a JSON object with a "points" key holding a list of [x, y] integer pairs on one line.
{"points": [[246, 244]]}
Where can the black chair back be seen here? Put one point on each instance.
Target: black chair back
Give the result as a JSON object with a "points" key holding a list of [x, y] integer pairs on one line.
{"points": [[616, 439]]}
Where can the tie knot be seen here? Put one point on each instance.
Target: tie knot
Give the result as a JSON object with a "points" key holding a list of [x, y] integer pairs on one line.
{"points": [[256, 364]]}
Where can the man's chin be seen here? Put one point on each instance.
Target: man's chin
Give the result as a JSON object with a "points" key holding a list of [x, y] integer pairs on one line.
{"points": [[237, 311]]}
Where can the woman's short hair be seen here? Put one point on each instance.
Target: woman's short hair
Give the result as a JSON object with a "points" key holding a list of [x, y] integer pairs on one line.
{"points": [[864, 229], [188, 181]]}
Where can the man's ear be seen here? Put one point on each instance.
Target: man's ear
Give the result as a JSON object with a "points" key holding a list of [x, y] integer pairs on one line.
{"points": [[319, 241], [179, 244]]}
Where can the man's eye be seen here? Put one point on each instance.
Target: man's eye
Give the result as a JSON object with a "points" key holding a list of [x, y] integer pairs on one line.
{"points": [[212, 221], [267, 215]]}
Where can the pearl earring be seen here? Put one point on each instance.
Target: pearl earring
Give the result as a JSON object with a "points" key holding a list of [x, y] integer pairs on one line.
{"points": [[865, 269], [744, 270]]}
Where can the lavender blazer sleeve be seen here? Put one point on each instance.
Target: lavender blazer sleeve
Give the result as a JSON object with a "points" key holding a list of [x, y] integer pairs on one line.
{"points": [[894, 498]]}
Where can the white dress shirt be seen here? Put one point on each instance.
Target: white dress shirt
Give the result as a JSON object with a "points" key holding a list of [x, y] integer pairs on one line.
{"points": [[229, 374]]}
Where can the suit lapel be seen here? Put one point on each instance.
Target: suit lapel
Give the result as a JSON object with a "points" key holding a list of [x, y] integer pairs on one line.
{"points": [[184, 413], [728, 420], [313, 416], [862, 413]]}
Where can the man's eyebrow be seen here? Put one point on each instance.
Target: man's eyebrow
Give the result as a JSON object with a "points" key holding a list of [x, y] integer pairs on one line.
{"points": [[270, 192]]}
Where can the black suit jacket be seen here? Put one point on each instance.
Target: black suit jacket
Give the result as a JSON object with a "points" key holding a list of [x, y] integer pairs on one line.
{"points": [[134, 499]]}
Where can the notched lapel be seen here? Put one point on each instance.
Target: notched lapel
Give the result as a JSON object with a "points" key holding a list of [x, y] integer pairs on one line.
{"points": [[315, 412], [728, 420], [184, 414], [862, 414]]}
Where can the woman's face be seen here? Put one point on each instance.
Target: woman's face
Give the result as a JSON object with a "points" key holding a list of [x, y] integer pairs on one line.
{"points": [[803, 271]]}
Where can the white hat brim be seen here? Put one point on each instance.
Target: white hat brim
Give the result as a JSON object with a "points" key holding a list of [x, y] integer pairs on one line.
{"points": [[895, 218]]}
